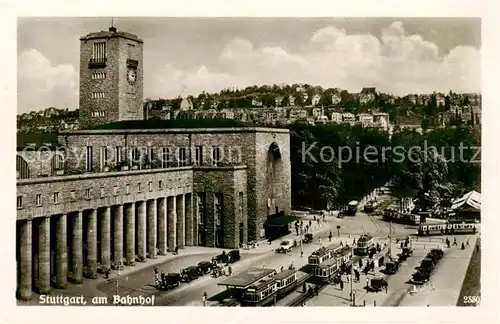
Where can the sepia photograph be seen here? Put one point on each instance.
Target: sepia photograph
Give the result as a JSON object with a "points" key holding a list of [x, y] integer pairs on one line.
{"points": [[248, 162]]}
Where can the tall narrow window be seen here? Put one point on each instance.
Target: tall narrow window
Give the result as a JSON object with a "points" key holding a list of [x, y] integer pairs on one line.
{"points": [[19, 202], [165, 157], [201, 208], [56, 197], [38, 199], [240, 204], [199, 155], [216, 156], [150, 156], [99, 53], [104, 157], [88, 164], [218, 208], [182, 157], [118, 154]]}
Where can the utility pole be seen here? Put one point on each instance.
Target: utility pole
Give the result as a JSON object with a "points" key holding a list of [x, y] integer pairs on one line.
{"points": [[300, 239], [390, 240], [352, 270]]}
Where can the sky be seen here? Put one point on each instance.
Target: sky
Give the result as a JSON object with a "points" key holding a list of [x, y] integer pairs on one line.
{"points": [[185, 56]]}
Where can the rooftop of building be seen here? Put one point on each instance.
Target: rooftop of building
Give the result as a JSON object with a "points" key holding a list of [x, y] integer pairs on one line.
{"points": [[248, 277], [175, 126], [112, 32]]}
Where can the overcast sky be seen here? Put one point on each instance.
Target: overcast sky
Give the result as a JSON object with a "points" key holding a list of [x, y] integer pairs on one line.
{"points": [[188, 55]]}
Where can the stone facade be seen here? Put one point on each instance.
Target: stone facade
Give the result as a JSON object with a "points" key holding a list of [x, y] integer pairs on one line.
{"points": [[107, 76]]}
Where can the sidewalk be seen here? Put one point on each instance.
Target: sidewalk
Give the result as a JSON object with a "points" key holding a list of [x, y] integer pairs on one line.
{"points": [[88, 288]]}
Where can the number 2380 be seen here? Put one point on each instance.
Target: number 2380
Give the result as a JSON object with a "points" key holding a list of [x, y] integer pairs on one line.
{"points": [[472, 299]]}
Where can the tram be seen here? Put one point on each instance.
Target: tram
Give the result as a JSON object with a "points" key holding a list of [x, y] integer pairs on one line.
{"points": [[352, 208], [286, 281], [364, 244], [327, 270], [447, 228], [261, 293], [322, 254]]}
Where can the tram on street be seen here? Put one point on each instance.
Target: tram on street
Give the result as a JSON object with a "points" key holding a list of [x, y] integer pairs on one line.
{"points": [[450, 227], [252, 287], [322, 254], [352, 208], [327, 270], [364, 244], [286, 281]]}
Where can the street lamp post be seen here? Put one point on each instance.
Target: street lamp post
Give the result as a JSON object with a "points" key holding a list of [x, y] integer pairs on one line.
{"points": [[352, 270], [300, 239]]}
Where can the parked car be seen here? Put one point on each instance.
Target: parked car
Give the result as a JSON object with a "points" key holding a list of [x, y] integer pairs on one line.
{"points": [[234, 256], [171, 281], [204, 267], [391, 267], [286, 246], [420, 277], [189, 274], [308, 238], [377, 284]]}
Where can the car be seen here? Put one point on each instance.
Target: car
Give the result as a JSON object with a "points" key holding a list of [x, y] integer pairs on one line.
{"points": [[204, 267], [391, 267], [308, 238], [420, 277], [377, 284], [286, 246], [234, 256], [190, 273], [370, 206]]}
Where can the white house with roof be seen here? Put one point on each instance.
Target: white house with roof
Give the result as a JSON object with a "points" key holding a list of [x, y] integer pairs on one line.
{"points": [[336, 99], [278, 100], [365, 119], [291, 100], [256, 102], [367, 95], [348, 118], [336, 117], [316, 99], [186, 104]]}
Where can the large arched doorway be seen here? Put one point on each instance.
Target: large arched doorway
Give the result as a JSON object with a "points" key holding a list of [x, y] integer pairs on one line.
{"points": [[22, 168], [273, 174]]}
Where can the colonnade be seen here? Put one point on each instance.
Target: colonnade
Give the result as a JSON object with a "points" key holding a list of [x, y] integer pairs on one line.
{"points": [[59, 248]]}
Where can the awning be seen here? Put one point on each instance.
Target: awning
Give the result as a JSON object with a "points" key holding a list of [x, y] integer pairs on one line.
{"points": [[280, 220], [470, 201]]}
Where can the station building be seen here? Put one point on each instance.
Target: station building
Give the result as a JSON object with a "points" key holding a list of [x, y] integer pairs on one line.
{"points": [[123, 190]]}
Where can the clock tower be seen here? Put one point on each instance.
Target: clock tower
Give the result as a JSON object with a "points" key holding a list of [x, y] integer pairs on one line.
{"points": [[111, 77]]}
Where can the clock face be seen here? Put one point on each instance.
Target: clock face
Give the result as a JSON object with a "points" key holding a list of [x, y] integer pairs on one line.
{"points": [[131, 76]]}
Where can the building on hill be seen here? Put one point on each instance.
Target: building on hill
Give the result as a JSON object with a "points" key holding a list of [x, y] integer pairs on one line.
{"points": [[367, 95]]}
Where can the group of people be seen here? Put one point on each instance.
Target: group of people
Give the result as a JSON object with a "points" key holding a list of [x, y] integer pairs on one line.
{"points": [[455, 243]]}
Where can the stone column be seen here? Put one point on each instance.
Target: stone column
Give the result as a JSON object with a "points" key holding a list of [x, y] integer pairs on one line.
{"points": [[130, 234], [43, 283], [61, 252], [180, 221], [141, 230], [25, 260], [152, 229], [118, 237], [171, 223], [189, 219], [162, 226], [77, 248], [106, 238], [195, 219], [92, 244]]}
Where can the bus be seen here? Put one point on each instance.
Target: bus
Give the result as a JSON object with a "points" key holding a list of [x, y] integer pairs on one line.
{"points": [[352, 208]]}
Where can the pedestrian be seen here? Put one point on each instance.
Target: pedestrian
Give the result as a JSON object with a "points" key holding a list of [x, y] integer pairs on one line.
{"points": [[455, 241], [463, 246], [230, 270], [360, 263], [205, 296], [477, 247], [367, 282], [320, 241], [467, 244], [402, 245], [330, 236], [281, 270], [341, 244], [386, 287], [341, 285], [301, 254]]}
